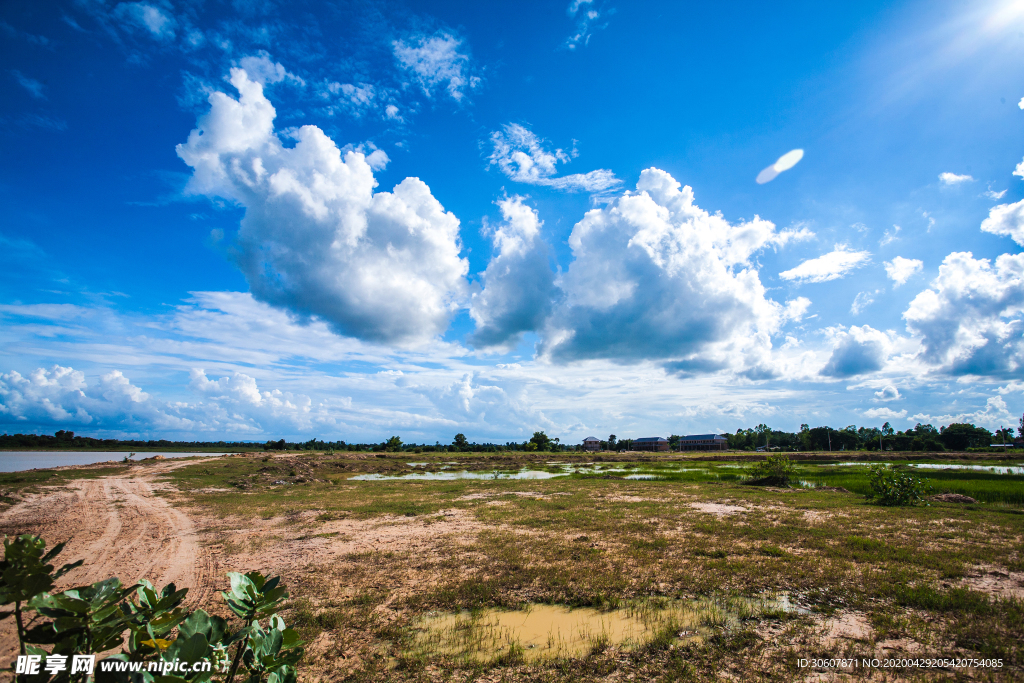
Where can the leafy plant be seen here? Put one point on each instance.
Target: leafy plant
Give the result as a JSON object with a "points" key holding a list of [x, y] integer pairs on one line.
{"points": [[775, 470], [25, 572], [895, 487], [90, 619]]}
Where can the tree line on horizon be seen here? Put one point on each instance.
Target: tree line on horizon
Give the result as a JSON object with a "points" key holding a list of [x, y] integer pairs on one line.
{"points": [[959, 436], [922, 437]]}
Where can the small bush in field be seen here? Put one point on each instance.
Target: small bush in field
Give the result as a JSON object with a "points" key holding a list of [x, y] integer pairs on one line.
{"points": [[896, 488], [775, 470]]}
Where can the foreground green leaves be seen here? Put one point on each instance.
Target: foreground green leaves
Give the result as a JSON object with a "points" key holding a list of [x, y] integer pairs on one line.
{"points": [[87, 620]]}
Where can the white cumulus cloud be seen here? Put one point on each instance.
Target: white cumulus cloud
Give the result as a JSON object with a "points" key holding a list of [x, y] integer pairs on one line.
{"points": [[902, 269], [316, 239], [888, 393], [521, 156], [436, 61], [857, 351], [970, 318], [518, 283], [1006, 219], [954, 179], [830, 266], [796, 308], [62, 397], [656, 277]]}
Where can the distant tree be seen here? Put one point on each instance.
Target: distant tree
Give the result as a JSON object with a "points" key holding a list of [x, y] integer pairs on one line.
{"points": [[673, 441], [763, 432], [1020, 427], [393, 444], [960, 436], [460, 441], [541, 441], [818, 439], [611, 442]]}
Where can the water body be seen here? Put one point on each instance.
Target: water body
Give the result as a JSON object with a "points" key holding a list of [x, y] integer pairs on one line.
{"points": [[462, 474], [991, 469], [18, 461], [583, 468]]}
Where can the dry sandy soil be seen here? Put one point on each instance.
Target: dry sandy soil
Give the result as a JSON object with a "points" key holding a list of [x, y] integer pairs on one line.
{"points": [[120, 528]]}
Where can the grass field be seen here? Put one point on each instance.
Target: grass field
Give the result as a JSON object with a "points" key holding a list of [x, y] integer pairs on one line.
{"points": [[942, 580]]}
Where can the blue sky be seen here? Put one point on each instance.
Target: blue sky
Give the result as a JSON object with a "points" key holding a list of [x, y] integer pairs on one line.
{"points": [[254, 220]]}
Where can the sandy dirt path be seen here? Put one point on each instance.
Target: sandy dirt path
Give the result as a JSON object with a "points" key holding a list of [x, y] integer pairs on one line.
{"points": [[121, 528]]}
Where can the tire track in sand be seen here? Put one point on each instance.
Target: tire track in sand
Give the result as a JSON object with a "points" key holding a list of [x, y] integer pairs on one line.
{"points": [[120, 528]]}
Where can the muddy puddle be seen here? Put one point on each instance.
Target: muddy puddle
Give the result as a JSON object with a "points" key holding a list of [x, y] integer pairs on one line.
{"points": [[552, 631]]}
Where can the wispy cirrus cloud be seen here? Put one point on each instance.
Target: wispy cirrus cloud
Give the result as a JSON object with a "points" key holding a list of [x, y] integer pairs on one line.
{"points": [[522, 156], [160, 23], [831, 266], [587, 16], [34, 87], [437, 62]]}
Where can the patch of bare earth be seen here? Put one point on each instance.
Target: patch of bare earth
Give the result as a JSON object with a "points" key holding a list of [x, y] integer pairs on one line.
{"points": [[484, 495], [719, 509], [996, 581], [283, 545], [817, 516], [847, 626]]}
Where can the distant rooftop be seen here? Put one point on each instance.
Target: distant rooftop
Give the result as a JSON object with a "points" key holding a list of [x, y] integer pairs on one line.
{"points": [[651, 438]]}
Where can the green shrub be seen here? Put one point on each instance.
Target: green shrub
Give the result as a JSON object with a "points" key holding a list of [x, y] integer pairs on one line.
{"points": [[775, 470], [88, 620], [891, 486]]}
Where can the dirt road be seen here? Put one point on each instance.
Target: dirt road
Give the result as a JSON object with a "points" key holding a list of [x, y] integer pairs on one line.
{"points": [[120, 527]]}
